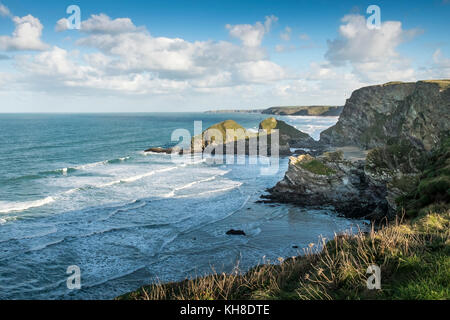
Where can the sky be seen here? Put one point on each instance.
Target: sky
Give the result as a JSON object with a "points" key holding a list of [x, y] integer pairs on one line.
{"points": [[195, 55]]}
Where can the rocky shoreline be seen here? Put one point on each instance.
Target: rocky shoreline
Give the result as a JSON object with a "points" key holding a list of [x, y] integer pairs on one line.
{"points": [[364, 163], [362, 168], [392, 127]]}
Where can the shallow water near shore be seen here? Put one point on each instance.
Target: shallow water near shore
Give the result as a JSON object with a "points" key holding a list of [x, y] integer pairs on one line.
{"points": [[78, 190]]}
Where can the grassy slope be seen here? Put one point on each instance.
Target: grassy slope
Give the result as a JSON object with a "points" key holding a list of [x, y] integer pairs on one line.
{"points": [[305, 110], [414, 257]]}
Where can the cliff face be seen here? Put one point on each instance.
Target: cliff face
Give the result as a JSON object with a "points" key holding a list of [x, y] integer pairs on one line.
{"points": [[379, 115], [400, 123]]}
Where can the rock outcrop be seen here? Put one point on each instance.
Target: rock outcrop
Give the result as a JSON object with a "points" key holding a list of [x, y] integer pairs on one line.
{"points": [[223, 135], [163, 150], [331, 180], [398, 124], [233, 232], [229, 135]]}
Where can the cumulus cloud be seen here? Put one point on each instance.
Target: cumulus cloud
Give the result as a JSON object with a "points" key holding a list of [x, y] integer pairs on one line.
{"points": [[101, 24], [260, 71], [251, 35], [128, 59], [173, 58], [26, 36], [56, 68], [371, 52], [62, 25]]}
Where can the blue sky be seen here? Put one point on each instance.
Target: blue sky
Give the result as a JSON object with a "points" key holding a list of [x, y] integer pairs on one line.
{"points": [[199, 55]]}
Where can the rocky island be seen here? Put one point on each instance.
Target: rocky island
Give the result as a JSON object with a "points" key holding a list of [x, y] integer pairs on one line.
{"points": [[217, 138]]}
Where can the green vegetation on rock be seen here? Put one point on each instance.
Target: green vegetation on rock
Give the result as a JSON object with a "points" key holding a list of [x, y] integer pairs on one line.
{"points": [[432, 188], [443, 84], [305, 110], [223, 126], [333, 155], [287, 132], [317, 167], [401, 156]]}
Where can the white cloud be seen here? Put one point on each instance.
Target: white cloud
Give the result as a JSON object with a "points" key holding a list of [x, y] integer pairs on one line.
{"points": [[130, 60], [57, 68], [260, 71], [286, 34], [371, 52], [438, 67], [175, 58], [4, 11], [101, 24], [440, 60], [62, 25], [251, 35], [126, 61], [26, 36]]}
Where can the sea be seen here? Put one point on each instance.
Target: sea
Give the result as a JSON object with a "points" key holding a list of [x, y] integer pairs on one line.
{"points": [[78, 192]]}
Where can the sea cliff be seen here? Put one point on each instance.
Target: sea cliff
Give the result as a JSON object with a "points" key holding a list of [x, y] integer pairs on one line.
{"points": [[394, 127]]}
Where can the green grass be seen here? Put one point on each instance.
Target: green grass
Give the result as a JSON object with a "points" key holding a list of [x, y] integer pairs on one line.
{"points": [[424, 277], [334, 156], [305, 110], [432, 186], [317, 167], [443, 84], [284, 129]]}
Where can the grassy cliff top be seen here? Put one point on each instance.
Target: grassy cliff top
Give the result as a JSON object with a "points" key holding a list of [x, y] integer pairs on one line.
{"points": [[305, 110], [222, 127], [443, 84], [226, 125]]}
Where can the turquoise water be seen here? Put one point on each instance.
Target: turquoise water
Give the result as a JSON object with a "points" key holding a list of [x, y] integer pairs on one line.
{"points": [[78, 190]]}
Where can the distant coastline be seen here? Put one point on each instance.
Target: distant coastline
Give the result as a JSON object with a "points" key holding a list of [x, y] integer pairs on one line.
{"points": [[289, 110]]}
